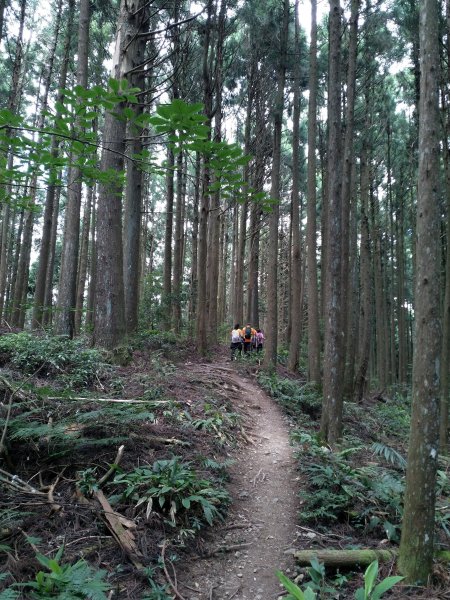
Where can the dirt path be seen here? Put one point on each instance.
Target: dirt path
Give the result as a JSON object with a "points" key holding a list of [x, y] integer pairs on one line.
{"points": [[262, 518]]}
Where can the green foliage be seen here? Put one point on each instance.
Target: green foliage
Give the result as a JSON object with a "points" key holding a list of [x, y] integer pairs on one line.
{"points": [[174, 488], [65, 425], [9, 593], [215, 421], [157, 592], [390, 454], [63, 581], [295, 397], [295, 593], [372, 591], [68, 360]]}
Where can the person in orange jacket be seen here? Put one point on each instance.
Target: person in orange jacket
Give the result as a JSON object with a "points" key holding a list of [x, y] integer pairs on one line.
{"points": [[248, 335]]}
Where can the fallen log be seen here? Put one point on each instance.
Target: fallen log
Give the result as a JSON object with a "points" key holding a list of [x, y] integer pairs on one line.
{"points": [[343, 558], [350, 558]]}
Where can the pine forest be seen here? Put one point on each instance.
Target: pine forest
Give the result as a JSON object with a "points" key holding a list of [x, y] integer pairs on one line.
{"points": [[224, 299]]}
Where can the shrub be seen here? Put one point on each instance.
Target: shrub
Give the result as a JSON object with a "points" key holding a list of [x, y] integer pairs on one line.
{"points": [[174, 488], [67, 360]]}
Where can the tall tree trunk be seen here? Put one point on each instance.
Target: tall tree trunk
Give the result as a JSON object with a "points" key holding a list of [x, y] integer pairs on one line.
{"points": [[67, 292], [223, 269], [109, 318], [133, 194], [90, 302], [311, 226], [178, 248], [445, 358], [295, 305], [44, 250], [348, 171], [167, 268], [270, 357], [83, 259], [49, 276], [13, 103], [365, 270], [416, 545], [202, 307], [214, 218], [194, 243], [331, 421]]}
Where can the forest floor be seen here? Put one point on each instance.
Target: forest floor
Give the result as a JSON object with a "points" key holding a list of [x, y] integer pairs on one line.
{"points": [[240, 439]]}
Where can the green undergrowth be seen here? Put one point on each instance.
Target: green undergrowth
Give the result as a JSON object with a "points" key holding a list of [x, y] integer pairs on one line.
{"points": [[64, 414], [360, 482], [69, 362]]}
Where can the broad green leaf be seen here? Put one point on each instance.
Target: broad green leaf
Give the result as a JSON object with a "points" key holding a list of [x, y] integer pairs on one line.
{"points": [[384, 586], [290, 586], [360, 594], [370, 577]]}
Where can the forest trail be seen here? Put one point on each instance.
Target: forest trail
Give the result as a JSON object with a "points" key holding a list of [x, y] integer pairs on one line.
{"points": [[240, 557]]}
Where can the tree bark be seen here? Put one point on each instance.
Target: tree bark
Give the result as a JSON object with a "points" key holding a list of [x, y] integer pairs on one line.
{"points": [[331, 421], [44, 250], [270, 357], [13, 103], [109, 318], [83, 259], [202, 306], [311, 226], [295, 271], [67, 292], [417, 539], [365, 270], [134, 194], [348, 172]]}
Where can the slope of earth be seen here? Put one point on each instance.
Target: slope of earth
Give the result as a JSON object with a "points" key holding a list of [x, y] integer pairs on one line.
{"points": [[240, 559]]}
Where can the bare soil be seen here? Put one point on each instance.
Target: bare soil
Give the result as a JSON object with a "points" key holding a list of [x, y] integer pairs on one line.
{"points": [[240, 559]]}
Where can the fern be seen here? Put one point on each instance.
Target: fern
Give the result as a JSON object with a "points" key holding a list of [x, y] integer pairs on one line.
{"points": [[391, 455]]}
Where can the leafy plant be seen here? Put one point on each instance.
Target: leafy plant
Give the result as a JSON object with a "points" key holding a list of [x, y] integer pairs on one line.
{"points": [[175, 489], [296, 398], [317, 574], [58, 356], [390, 454], [295, 593], [62, 582], [370, 591]]}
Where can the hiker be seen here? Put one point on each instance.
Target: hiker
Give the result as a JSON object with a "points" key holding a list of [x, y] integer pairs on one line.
{"points": [[236, 341], [259, 339], [248, 333]]}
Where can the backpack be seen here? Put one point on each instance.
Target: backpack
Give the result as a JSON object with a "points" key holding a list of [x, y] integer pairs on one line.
{"points": [[235, 336], [248, 334]]}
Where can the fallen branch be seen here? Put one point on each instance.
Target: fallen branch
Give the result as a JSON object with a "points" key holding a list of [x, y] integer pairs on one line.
{"points": [[172, 584], [18, 484], [116, 523], [113, 468], [54, 506], [119, 400]]}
